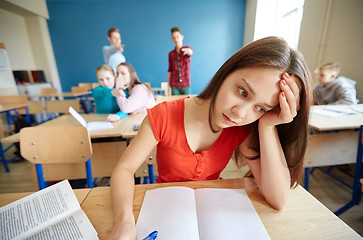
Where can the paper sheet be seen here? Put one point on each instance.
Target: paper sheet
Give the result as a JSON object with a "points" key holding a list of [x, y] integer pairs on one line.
{"points": [[206, 214], [91, 126]]}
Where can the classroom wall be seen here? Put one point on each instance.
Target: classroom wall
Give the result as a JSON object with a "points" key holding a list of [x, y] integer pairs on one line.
{"points": [[78, 29], [24, 31], [332, 31]]}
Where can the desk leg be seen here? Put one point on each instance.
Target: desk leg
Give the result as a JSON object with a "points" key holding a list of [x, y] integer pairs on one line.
{"points": [[40, 176], [357, 186], [2, 155], [306, 179]]}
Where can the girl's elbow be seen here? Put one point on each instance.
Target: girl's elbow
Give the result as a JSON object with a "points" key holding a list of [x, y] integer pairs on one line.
{"points": [[278, 202]]}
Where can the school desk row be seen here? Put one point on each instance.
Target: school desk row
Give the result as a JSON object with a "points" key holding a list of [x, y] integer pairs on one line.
{"points": [[324, 149], [304, 217]]}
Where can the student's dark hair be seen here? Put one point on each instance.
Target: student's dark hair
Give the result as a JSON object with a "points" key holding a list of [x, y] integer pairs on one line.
{"points": [[175, 29], [134, 79], [272, 52], [111, 30]]}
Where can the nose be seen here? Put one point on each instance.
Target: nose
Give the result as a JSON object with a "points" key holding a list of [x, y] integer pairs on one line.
{"points": [[239, 112]]}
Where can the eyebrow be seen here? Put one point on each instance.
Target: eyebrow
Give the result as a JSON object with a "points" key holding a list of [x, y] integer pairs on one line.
{"points": [[250, 89]]}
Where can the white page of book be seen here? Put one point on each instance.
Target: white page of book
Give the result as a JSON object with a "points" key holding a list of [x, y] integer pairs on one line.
{"points": [[29, 215], [91, 126], [170, 211], [227, 214], [75, 227]]}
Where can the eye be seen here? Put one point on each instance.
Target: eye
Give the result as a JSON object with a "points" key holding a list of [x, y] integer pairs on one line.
{"points": [[261, 109], [242, 92]]}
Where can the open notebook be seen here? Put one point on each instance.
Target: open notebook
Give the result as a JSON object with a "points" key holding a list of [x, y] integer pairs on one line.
{"points": [[205, 213], [51, 213], [91, 126]]}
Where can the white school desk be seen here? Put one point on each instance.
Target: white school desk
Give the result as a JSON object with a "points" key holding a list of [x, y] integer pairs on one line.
{"points": [[337, 144], [303, 218]]}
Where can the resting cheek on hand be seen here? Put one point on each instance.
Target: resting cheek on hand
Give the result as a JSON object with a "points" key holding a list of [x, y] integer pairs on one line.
{"points": [[289, 102]]}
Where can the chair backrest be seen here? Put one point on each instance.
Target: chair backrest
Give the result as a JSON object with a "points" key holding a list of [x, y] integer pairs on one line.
{"points": [[55, 144], [62, 106], [87, 86], [94, 85], [48, 90], [78, 90], [15, 99], [34, 107]]}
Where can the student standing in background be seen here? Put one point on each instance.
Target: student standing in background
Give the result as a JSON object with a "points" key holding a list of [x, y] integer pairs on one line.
{"points": [[332, 88], [104, 100], [179, 65], [113, 54]]}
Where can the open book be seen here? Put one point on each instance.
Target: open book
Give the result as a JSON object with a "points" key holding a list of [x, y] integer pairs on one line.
{"points": [[51, 213], [91, 126], [205, 213]]}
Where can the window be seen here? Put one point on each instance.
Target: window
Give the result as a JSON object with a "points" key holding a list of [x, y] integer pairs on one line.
{"points": [[280, 18]]}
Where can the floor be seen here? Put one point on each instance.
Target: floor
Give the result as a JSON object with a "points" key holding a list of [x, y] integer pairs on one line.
{"points": [[332, 194]]}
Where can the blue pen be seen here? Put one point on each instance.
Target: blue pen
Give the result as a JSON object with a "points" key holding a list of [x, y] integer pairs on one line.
{"points": [[152, 236]]}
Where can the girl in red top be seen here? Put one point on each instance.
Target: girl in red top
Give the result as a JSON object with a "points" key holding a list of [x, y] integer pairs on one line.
{"points": [[257, 106]]}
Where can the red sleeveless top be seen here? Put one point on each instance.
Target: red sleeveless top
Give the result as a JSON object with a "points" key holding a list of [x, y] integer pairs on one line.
{"points": [[176, 161]]}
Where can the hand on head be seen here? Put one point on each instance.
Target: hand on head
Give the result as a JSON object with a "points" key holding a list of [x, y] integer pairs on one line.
{"points": [[289, 99]]}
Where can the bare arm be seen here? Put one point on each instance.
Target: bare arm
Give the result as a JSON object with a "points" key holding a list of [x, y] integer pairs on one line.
{"points": [[270, 170], [122, 182]]}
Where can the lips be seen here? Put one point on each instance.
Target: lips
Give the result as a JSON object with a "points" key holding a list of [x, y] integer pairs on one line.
{"points": [[228, 120]]}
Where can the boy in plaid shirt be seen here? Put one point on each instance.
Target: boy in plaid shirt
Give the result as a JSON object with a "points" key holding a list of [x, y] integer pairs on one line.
{"points": [[179, 65]]}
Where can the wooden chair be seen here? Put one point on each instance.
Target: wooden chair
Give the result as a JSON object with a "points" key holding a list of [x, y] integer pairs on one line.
{"points": [[35, 107], [87, 86], [57, 144], [62, 106], [105, 156], [94, 85], [357, 186], [148, 170], [14, 99], [48, 90], [78, 90]]}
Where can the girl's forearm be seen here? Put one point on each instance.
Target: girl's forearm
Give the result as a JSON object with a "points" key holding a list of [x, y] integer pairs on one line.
{"points": [[122, 192], [274, 180]]}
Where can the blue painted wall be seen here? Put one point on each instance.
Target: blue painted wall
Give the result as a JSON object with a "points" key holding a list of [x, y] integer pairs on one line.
{"points": [[78, 29]]}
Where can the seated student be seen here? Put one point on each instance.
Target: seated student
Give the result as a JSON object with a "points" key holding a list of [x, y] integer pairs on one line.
{"points": [[140, 95], [332, 89], [257, 105], [104, 100]]}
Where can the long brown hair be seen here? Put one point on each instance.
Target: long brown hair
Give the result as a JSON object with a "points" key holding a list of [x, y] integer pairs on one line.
{"points": [[134, 79], [272, 52]]}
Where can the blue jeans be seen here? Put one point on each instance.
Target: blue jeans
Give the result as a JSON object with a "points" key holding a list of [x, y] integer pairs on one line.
{"points": [[181, 91]]}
